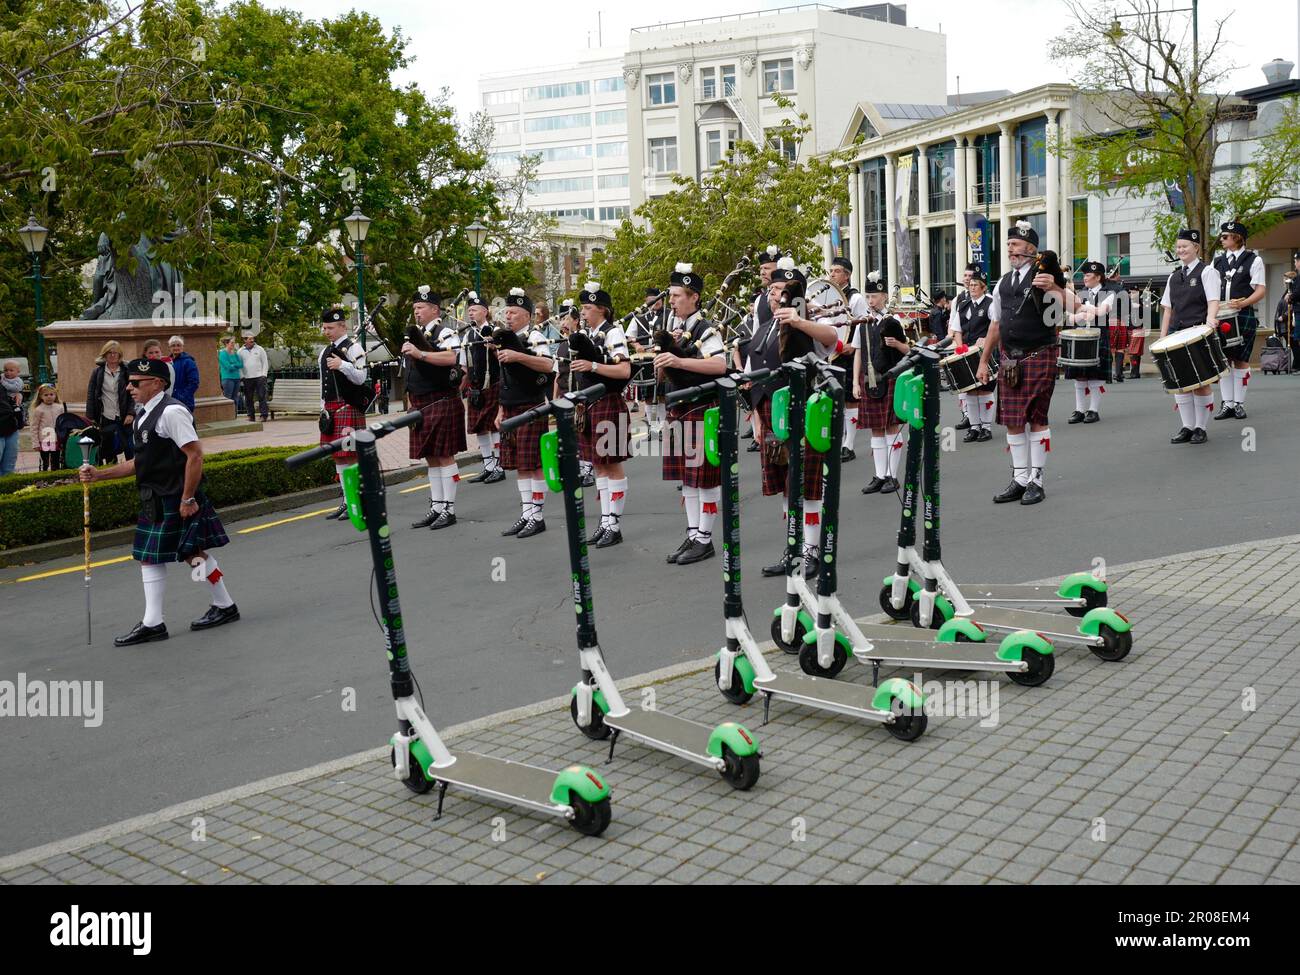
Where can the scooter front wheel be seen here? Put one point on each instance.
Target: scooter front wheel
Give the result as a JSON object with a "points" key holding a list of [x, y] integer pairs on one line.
{"points": [[736, 693], [1092, 598], [796, 644], [415, 780], [1041, 667], [811, 666], [597, 730], [1114, 646], [590, 818], [740, 771], [887, 604], [936, 615], [907, 727]]}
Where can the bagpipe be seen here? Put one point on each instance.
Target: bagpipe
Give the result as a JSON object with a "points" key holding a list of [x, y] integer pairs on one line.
{"points": [[1045, 262], [442, 377], [519, 374]]}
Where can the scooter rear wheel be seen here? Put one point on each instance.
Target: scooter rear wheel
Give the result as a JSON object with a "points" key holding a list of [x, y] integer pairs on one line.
{"points": [[1092, 598], [597, 730], [1041, 667], [415, 780], [590, 818], [811, 666], [1115, 646], [886, 604], [799, 631], [907, 727], [736, 693], [741, 771]]}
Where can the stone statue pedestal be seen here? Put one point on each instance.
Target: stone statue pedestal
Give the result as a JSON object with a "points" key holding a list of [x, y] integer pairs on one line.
{"points": [[78, 344]]}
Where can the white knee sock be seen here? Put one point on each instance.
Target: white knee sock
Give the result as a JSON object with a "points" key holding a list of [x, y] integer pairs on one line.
{"points": [[970, 407], [850, 426], [434, 475], [987, 402], [1094, 397], [895, 453], [1241, 379], [1080, 395], [880, 455], [339, 469], [1018, 444], [539, 496], [496, 451], [485, 449], [691, 501], [217, 579], [154, 578], [1226, 391], [450, 478], [617, 496], [709, 498], [602, 489], [812, 524], [525, 496], [1204, 402], [1040, 442], [1186, 410]]}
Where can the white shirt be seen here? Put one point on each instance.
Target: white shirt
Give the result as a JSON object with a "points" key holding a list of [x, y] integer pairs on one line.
{"points": [[858, 307], [713, 344], [1256, 269], [968, 309], [1026, 274], [253, 361], [176, 422], [615, 343], [354, 362], [1209, 281]]}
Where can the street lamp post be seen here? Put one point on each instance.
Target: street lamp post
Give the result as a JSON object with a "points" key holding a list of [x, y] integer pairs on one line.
{"points": [[358, 225], [33, 237], [477, 234]]}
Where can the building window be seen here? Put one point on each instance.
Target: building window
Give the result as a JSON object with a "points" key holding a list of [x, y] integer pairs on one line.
{"points": [[783, 143], [506, 127], [1079, 233], [582, 213], [572, 184], [616, 116], [988, 181], [914, 190], [662, 88], [943, 260], [708, 84], [728, 80], [1117, 252], [570, 89], [719, 144], [608, 150], [549, 123], [507, 96], [613, 213], [942, 175], [778, 75], [614, 181], [606, 85], [1030, 148], [663, 155], [874, 217], [504, 159], [565, 153]]}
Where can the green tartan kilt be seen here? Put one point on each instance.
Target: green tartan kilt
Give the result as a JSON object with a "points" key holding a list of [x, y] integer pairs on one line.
{"points": [[172, 538]]}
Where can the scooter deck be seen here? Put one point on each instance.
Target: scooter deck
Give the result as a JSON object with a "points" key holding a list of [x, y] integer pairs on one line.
{"points": [[1055, 628], [894, 645], [502, 779], [1030, 595], [827, 694], [682, 737]]}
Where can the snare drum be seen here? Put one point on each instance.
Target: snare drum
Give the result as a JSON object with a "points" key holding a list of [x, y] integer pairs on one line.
{"points": [[1189, 358], [1080, 347], [960, 369], [1229, 328]]}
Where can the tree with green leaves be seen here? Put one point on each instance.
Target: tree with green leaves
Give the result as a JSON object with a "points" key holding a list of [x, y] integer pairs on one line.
{"points": [[1163, 118]]}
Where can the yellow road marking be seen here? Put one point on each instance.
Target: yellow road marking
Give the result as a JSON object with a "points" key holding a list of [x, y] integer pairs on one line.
{"points": [[75, 568], [284, 521]]}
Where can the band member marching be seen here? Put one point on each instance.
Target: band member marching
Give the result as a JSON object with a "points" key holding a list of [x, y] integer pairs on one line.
{"points": [[839, 275], [1094, 306], [684, 446], [970, 327], [344, 391], [1191, 298], [958, 304], [483, 392], [433, 376], [1026, 340], [760, 318], [1242, 275], [640, 337], [526, 377], [879, 345], [606, 422]]}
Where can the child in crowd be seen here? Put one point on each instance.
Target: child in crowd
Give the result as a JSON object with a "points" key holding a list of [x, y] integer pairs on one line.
{"points": [[44, 437], [13, 385]]}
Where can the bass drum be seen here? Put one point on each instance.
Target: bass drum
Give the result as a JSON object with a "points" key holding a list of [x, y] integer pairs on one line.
{"points": [[1189, 358]]}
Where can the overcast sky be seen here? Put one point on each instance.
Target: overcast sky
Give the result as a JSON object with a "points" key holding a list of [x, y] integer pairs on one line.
{"points": [[457, 40]]}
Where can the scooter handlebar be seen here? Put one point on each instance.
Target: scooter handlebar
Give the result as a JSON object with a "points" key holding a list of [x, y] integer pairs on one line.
{"points": [[916, 355], [380, 429], [528, 416], [594, 391]]}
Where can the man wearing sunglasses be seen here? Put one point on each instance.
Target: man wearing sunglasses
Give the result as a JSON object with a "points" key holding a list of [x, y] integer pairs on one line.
{"points": [[177, 522]]}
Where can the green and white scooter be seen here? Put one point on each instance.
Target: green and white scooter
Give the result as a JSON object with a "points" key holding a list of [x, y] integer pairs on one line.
{"points": [[742, 670], [921, 588], [830, 633], [597, 707], [420, 758]]}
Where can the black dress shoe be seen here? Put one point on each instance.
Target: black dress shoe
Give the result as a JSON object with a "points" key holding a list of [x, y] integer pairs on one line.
{"points": [[1225, 412], [1075, 417], [216, 616], [611, 536], [747, 435], [1199, 436], [535, 526], [889, 485], [847, 455], [1119, 374], [1033, 494], [985, 434], [874, 485], [495, 476], [964, 424], [777, 568], [811, 564], [478, 478], [1182, 436], [686, 543], [1239, 412], [1014, 492], [339, 512], [1092, 416], [588, 480], [428, 519], [972, 435], [517, 527], [597, 535], [444, 520], [142, 634], [696, 552], [1135, 372], [752, 448]]}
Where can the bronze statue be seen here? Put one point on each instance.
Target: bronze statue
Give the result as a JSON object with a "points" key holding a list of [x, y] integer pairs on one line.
{"points": [[121, 295]]}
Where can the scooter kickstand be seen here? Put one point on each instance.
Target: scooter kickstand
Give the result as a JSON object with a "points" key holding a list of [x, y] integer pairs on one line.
{"points": [[767, 705], [442, 791], [875, 673], [613, 740]]}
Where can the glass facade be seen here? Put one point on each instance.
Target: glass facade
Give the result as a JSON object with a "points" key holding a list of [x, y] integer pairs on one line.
{"points": [[1030, 147], [1117, 252], [549, 123], [571, 89], [1079, 234], [874, 227], [941, 166], [943, 259], [987, 188]]}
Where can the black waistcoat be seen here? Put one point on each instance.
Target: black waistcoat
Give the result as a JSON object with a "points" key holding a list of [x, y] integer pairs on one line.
{"points": [[1187, 298], [159, 462], [1022, 328]]}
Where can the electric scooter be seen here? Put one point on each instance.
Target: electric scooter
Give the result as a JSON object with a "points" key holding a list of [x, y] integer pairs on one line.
{"points": [[830, 633], [596, 706], [420, 758], [742, 670]]}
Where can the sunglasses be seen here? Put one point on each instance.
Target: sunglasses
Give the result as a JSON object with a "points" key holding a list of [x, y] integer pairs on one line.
{"points": [[137, 382]]}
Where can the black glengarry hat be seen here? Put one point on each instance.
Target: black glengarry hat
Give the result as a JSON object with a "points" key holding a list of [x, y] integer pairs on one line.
{"points": [[518, 298], [843, 262], [1234, 227], [1023, 230], [1190, 233], [334, 313], [427, 295], [152, 368], [874, 285], [1093, 267], [770, 254], [685, 276], [475, 299]]}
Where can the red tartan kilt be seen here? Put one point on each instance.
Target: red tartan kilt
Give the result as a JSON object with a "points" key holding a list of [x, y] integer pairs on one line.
{"points": [[441, 430], [521, 448], [1119, 337], [776, 476], [602, 423], [877, 414], [694, 471], [1029, 401], [484, 418], [1137, 342], [345, 418]]}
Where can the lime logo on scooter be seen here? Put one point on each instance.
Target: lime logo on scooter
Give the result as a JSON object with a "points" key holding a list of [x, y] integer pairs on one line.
{"points": [[350, 478], [549, 445]]}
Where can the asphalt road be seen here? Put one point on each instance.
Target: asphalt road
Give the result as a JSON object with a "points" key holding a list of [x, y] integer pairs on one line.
{"points": [[204, 712]]}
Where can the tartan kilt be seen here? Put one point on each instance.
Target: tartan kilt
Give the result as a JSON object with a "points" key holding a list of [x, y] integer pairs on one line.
{"points": [[521, 448], [696, 472], [344, 417], [1029, 401], [484, 418], [175, 538], [776, 476], [876, 414], [601, 416], [441, 430], [1120, 336]]}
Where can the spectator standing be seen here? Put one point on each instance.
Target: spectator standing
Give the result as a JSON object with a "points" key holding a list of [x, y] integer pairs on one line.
{"points": [[186, 371], [11, 417], [231, 371], [255, 369], [108, 404], [45, 437], [152, 349]]}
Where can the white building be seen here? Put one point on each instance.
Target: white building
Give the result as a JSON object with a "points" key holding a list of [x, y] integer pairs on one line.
{"points": [[696, 87]]}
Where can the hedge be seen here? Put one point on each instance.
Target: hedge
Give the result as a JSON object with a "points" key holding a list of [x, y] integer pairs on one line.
{"points": [[233, 477], [16, 482]]}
